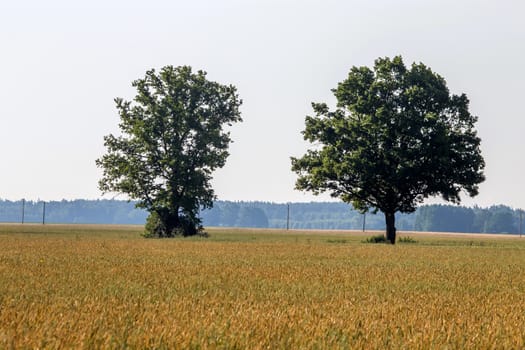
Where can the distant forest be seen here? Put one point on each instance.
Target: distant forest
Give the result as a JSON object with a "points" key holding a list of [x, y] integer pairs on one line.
{"points": [[314, 215]]}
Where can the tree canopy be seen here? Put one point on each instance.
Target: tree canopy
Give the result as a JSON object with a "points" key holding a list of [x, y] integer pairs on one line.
{"points": [[396, 137], [172, 139]]}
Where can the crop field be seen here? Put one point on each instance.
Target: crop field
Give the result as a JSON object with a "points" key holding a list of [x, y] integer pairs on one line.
{"points": [[107, 287]]}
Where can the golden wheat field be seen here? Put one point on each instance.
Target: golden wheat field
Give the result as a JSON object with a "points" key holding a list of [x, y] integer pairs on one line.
{"points": [[106, 287]]}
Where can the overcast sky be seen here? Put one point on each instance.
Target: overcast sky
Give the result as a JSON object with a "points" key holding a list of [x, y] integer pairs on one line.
{"points": [[63, 62]]}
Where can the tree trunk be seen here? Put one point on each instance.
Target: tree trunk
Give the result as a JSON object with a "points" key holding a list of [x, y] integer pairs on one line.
{"points": [[170, 222], [390, 219]]}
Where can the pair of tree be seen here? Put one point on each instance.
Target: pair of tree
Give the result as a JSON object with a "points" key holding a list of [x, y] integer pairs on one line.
{"points": [[396, 137]]}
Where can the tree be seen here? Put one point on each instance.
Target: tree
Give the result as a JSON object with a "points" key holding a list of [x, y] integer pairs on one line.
{"points": [[171, 141], [500, 219], [444, 218], [251, 217], [396, 137]]}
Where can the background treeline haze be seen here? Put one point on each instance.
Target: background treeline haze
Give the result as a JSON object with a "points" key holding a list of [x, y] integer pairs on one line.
{"points": [[314, 215]]}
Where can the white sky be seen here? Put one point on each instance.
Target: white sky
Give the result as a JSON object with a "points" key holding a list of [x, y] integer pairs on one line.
{"points": [[62, 63]]}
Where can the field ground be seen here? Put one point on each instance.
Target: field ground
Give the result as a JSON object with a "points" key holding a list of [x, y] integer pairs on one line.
{"points": [[106, 287]]}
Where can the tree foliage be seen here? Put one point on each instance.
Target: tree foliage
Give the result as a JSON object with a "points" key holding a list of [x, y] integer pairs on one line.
{"points": [[172, 139], [445, 218], [396, 137]]}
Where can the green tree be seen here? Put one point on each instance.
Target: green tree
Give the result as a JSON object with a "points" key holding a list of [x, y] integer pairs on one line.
{"points": [[171, 141], [444, 218], [396, 137], [500, 219], [251, 217]]}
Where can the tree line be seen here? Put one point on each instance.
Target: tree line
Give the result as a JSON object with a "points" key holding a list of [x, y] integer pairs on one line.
{"points": [[313, 215]]}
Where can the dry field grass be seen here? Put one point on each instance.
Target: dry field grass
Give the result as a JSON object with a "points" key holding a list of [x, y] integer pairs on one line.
{"points": [[106, 287]]}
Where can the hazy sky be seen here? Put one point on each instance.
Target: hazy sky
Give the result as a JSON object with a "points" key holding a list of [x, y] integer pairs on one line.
{"points": [[63, 62]]}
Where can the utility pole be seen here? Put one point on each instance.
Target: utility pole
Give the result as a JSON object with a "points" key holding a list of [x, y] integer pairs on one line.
{"points": [[521, 222], [44, 214], [288, 216], [23, 209]]}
